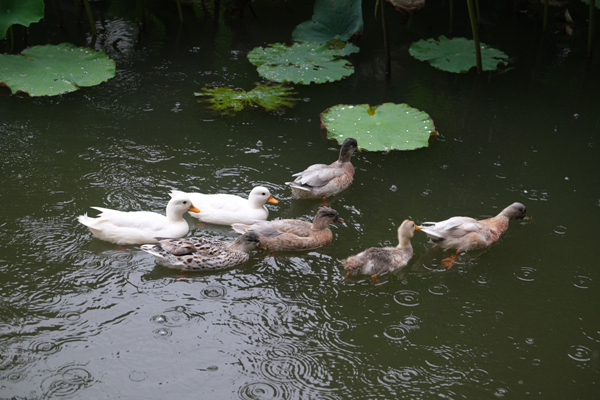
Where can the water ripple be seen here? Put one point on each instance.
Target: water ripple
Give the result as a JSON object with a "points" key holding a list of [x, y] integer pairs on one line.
{"points": [[399, 331], [213, 292], [44, 347], [162, 333], [263, 390], [526, 274], [582, 282], [66, 382], [408, 298], [438, 289], [580, 353]]}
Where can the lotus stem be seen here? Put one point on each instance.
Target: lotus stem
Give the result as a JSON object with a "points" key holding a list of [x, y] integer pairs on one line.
{"points": [[58, 13], [591, 27], [77, 11], [90, 17], [545, 25], [386, 44], [479, 13], [179, 10], [475, 35], [451, 18], [12, 39]]}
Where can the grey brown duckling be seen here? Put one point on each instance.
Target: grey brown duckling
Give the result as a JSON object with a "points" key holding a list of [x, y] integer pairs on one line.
{"points": [[324, 180], [294, 234], [465, 233], [377, 260]]}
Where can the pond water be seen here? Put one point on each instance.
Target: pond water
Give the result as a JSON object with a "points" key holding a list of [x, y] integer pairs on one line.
{"points": [[86, 319]]}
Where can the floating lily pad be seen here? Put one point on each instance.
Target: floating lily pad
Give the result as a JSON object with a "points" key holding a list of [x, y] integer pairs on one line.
{"points": [[301, 63], [51, 70], [456, 55], [227, 100], [332, 19], [22, 12], [379, 128]]}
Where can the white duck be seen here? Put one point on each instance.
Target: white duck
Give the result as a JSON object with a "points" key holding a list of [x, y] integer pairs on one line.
{"points": [[198, 253], [137, 227], [227, 209]]}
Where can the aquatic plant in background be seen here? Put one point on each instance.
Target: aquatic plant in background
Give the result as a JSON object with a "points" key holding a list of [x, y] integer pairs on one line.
{"points": [[302, 63], [228, 101], [456, 55], [332, 19], [379, 128], [51, 70], [22, 12]]}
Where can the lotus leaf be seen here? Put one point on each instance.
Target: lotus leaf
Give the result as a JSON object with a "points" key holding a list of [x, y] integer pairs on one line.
{"points": [[227, 100], [301, 63], [596, 3], [22, 12], [379, 128], [332, 19], [51, 70], [455, 55]]}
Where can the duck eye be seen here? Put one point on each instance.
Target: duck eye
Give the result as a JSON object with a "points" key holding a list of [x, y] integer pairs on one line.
{"points": [[264, 194], [185, 202]]}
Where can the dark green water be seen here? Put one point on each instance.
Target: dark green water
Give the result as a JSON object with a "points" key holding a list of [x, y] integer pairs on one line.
{"points": [[81, 318]]}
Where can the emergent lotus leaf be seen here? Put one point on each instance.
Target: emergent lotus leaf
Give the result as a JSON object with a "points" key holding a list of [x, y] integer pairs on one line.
{"points": [[22, 12], [332, 19]]}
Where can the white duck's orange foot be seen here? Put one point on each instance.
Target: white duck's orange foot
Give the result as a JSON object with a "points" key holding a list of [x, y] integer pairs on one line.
{"points": [[447, 262]]}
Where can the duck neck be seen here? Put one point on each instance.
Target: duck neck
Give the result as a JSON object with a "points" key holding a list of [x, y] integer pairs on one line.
{"points": [[345, 155], [173, 216], [404, 242], [320, 224]]}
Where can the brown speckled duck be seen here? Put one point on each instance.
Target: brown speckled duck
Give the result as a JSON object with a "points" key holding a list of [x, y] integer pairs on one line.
{"points": [[377, 260], [199, 253], [294, 234], [322, 180], [464, 233]]}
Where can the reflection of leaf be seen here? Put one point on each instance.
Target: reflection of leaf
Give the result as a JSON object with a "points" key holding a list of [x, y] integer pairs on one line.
{"points": [[51, 70], [332, 19], [22, 12], [301, 63], [455, 55], [379, 128], [228, 101]]}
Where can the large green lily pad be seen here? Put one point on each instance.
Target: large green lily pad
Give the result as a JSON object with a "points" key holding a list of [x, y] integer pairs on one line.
{"points": [[332, 19], [379, 128], [22, 12], [456, 55], [227, 100], [51, 70], [301, 63]]}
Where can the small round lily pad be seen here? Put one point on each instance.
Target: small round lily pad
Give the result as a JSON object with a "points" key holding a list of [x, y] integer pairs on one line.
{"points": [[379, 128]]}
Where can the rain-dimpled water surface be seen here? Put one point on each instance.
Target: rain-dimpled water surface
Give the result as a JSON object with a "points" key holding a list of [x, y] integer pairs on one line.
{"points": [[86, 319]]}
